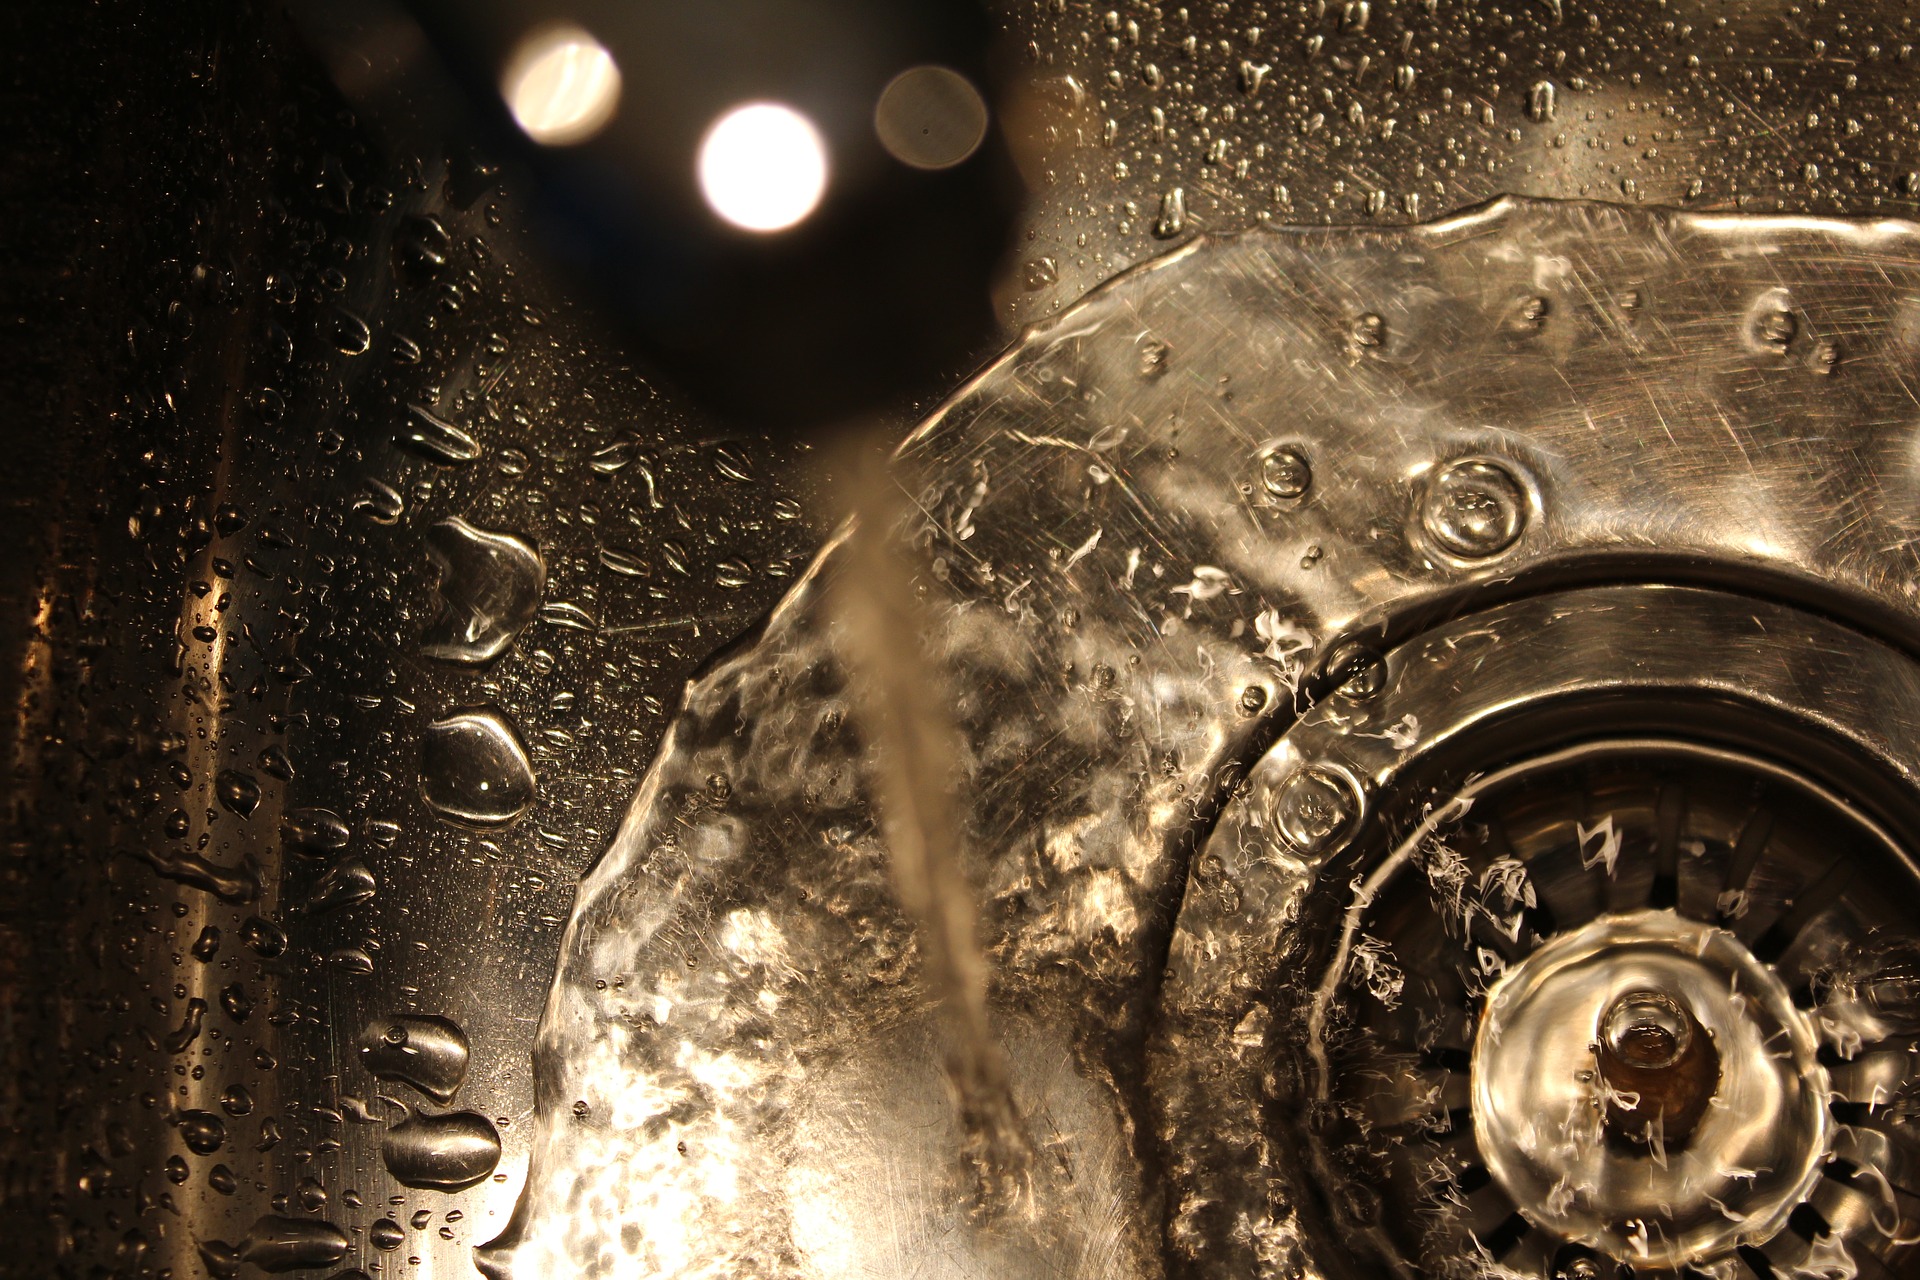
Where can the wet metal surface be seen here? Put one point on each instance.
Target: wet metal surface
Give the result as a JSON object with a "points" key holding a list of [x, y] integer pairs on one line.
{"points": [[271, 348]]}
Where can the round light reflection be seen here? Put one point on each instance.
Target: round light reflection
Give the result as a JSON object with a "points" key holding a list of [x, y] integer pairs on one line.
{"points": [[763, 166], [930, 118], [561, 85]]}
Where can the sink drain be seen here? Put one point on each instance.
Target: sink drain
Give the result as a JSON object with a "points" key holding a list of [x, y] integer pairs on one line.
{"points": [[1616, 974], [1602, 1039]]}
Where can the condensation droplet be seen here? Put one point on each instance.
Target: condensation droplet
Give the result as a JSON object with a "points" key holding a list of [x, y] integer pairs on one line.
{"points": [[444, 1152], [474, 769], [430, 1053], [490, 589]]}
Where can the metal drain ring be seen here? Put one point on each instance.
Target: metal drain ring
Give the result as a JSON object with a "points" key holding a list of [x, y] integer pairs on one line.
{"points": [[1502, 686]]}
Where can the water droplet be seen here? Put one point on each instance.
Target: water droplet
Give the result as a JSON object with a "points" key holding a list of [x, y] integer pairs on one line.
{"points": [[1826, 358], [444, 1152], [1775, 328], [474, 769], [177, 1171], [293, 1244], [1314, 809], [421, 1050], [349, 333], [1354, 18], [490, 588], [1474, 508], [1285, 472], [565, 613], [207, 945], [1173, 214], [1369, 330], [238, 792], [315, 832], [380, 501], [350, 960], [1154, 358], [189, 1029], [622, 561], [732, 464], [202, 1131], [422, 246], [229, 884], [436, 439], [312, 1196], [264, 937], [236, 1101], [221, 1179], [386, 1235], [275, 763], [235, 1000], [345, 883], [1542, 101]]}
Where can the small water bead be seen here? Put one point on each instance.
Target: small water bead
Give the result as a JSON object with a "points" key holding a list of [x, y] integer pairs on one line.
{"points": [[386, 1235], [263, 937], [346, 883], [428, 435], [236, 1101], [313, 831], [207, 945]]}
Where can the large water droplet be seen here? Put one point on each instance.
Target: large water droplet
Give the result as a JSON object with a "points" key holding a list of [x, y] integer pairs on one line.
{"points": [[474, 769], [202, 1131], [426, 1052], [490, 586], [238, 792], [293, 1244], [441, 1152]]}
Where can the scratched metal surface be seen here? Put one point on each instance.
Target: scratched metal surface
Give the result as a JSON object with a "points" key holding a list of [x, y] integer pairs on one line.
{"points": [[738, 1072], [193, 203]]}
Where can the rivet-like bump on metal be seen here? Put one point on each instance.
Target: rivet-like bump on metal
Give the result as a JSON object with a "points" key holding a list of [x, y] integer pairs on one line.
{"points": [[1474, 508], [1315, 810]]}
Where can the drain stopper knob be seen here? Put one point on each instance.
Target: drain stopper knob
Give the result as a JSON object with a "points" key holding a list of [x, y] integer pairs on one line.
{"points": [[1660, 1067]]}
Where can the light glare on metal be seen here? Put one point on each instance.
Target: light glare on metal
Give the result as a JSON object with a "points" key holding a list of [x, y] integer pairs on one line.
{"points": [[763, 167], [561, 85]]}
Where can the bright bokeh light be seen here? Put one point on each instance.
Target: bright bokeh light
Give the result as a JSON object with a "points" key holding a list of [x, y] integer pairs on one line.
{"points": [[763, 166], [561, 85]]}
